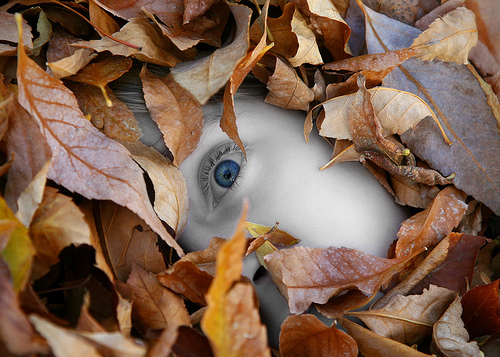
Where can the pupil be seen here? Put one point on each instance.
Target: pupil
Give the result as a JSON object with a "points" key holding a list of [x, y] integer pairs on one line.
{"points": [[225, 173]]}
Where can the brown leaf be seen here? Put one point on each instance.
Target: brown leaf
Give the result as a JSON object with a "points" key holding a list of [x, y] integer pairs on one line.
{"points": [[275, 235], [101, 73], [481, 314], [204, 77], [408, 319], [154, 307], [286, 89], [56, 224], [305, 335], [102, 20], [371, 344], [205, 259], [449, 38], [177, 114], [84, 160], [185, 278], [447, 87], [427, 228], [8, 33], [338, 306], [412, 193], [449, 335], [232, 322], [313, 275], [128, 240], [117, 122], [16, 334], [308, 50]]}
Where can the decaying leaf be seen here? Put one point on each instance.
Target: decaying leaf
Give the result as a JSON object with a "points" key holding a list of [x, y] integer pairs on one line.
{"points": [[449, 38], [305, 335], [408, 319], [313, 275], [154, 307], [450, 336], [427, 228], [83, 159]]}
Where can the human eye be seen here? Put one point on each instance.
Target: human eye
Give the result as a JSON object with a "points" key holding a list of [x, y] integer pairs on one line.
{"points": [[219, 172]]}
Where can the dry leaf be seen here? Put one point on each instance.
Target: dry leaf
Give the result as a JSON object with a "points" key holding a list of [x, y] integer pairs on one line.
{"points": [[448, 88], [171, 198], [84, 160], [232, 322], [114, 344], [313, 275], [373, 345], [408, 319], [56, 224], [276, 236], [449, 335], [128, 240], [177, 114], [411, 193], [154, 307], [8, 33], [427, 228], [204, 77], [404, 11], [338, 306], [102, 20], [305, 335], [205, 259], [449, 38], [286, 89], [185, 278], [481, 314], [308, 50]]}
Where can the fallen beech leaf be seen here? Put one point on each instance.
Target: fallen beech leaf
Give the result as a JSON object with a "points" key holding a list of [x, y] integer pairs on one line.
{"points": [[408, 319], [338, 306], [102, 20], [101, 73], [427, 228], [171, 199], [231, 321], [128, 240], [308, 50], [305, 335], [313, 275], [371, 344], [449, 335], [117, 122], [205, 259], [277, 237], [84, 160], [449, 38], [412, 193], [16, 248], [481, 314], [56, 224], [447, 87], [177, 114], [8, 33], [154, 307], [185, 278], [286, 89], [204, 77], [16, 334], [154, 47]]}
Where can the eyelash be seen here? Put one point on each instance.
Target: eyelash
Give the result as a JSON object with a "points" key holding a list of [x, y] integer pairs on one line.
{"points": [[210, 162]]}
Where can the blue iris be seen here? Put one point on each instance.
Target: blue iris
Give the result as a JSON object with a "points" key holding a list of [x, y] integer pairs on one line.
{"points": [[225, 173]]}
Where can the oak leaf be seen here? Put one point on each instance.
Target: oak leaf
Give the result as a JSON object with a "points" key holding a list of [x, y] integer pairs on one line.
{"points": [[427, 228], [408, 319], [154, 307], [313, 275], [177, 114], [305, 335], [449, 335], [83, 159], [449, 38]]}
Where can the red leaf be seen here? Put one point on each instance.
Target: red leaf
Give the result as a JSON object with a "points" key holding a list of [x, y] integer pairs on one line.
{"points": [[481, 314]]}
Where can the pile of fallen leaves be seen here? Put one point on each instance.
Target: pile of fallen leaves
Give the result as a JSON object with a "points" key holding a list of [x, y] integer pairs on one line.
{"points": [[82, 271]]}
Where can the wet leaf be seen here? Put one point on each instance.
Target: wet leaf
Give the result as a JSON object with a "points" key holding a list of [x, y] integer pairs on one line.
{"points": [[305, 335], [232, 322], [154, 307], [481, 314], [171, 198], [175, 111], [313, 275], [84, 160], [56, 224], [449, 335], [204, 77], [427, 228], [408, 319], [449, 38], [447, 87], [371, 344]]}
